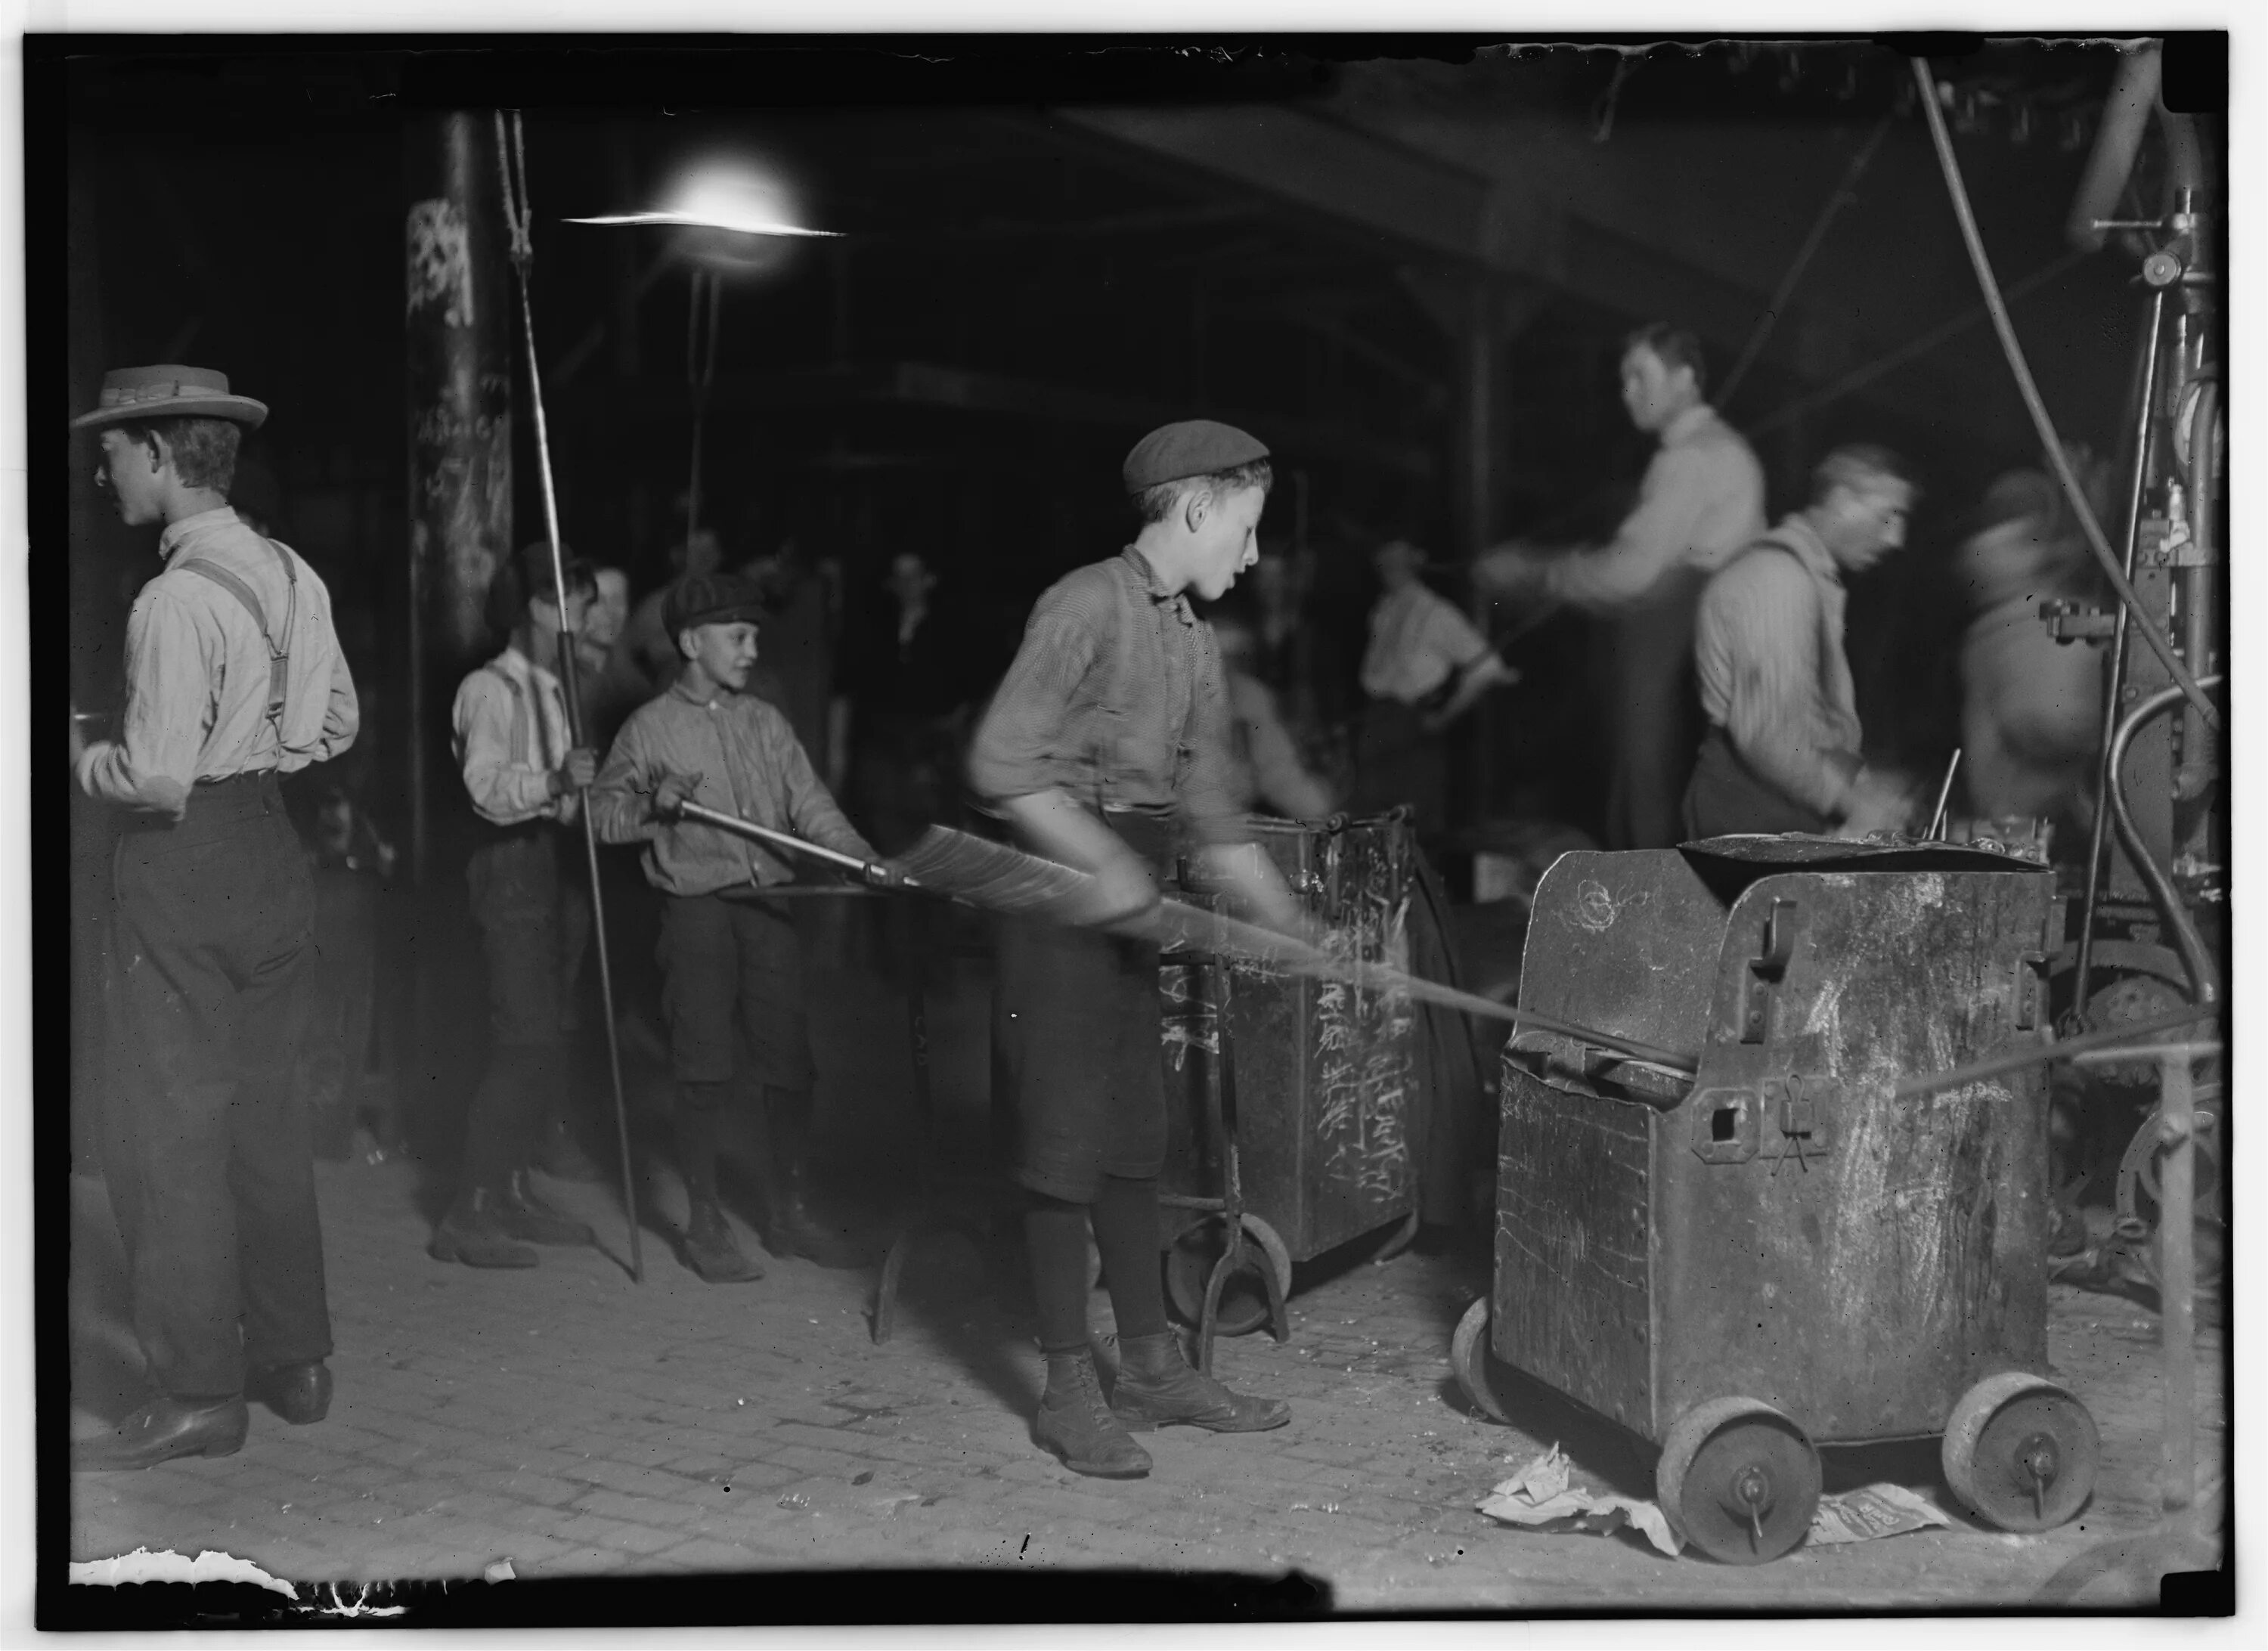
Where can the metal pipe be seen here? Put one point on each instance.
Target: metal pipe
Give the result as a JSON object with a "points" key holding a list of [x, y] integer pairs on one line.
{"points": [[2177, 1276], [2205, 984], [1944, 796], [2146, 431], [794, 844], [2039, 1054], [2051, 444]]}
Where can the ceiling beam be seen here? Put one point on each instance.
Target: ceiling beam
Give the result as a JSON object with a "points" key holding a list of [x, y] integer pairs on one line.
{"points": [[1400, 200]]}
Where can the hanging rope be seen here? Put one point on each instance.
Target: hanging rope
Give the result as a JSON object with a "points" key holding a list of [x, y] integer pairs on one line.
{"points": [[511, 164], [2049, 441]]}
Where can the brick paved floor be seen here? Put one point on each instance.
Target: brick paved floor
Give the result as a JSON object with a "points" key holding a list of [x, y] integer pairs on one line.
{"points": [[574, 1423]]}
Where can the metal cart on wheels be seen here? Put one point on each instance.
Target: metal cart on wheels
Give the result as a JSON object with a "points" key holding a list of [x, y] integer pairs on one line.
{"points": [[1770, 1254], [1292, 1101]]}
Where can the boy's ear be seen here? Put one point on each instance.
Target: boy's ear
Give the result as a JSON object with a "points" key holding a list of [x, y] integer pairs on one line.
{"points": [[1197, 504], [685, 642]]}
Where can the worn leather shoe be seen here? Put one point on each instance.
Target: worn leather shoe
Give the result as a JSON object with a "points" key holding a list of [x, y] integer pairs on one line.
{"points": [[299, 1393], [1076, 1424], [473, 1232], [163, 1429], [711, 1251], [526, 1217], [1156, 1388]]}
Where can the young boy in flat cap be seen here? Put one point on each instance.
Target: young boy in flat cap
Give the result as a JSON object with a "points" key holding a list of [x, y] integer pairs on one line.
{"points": [[1105, 746], [729, 959], [523, 772], [234, 677]]}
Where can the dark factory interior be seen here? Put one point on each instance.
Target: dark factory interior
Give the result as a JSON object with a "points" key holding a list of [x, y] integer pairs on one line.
{"points": [[1415, 270]]}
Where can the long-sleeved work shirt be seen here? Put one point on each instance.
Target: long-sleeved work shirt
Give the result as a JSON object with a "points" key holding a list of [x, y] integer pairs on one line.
{"points": [[198, 676], [1768, 650], [1116, 698], [1701, 499], [511, 735], [749, 765], [1418, 641]]}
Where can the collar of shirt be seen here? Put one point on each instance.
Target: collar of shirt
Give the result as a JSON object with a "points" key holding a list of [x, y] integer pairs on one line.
{"points": [[178, 534], [704, 702], [1796, 531], [1689, 425], [1156, 592]]}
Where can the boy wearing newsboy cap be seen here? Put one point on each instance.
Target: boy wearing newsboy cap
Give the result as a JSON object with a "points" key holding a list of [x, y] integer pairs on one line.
{"points": [[1106, 747], [727, 956]]}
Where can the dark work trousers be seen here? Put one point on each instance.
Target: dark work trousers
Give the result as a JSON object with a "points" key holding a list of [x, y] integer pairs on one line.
{"points": [[733, 988], [1653, 712], [1726, 797], [1077, 1046], [514, 882], [206, 1149]]}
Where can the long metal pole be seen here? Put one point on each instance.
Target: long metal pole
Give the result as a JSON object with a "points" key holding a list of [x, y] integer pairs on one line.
{"points": [[514, 162], [2146, 431], [2177, 1275]]}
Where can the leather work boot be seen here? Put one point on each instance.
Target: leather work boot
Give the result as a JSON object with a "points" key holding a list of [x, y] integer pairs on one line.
{"points": [[712, 1252], [299, 1393], [1156, 1388], [163, 1429], [473, 1232], [791, 1229], [526, 1217], [1076, 1424]]}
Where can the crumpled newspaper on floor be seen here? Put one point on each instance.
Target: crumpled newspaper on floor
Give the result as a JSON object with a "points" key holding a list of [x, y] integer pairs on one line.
{"points": [[1540, 1497], [1872, 1511]]}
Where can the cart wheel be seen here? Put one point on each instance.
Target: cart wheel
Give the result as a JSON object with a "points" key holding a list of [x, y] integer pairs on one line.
{"points": [[1738, 1480], [2020, 1452], [1468, 1358], [1244, 1301]]}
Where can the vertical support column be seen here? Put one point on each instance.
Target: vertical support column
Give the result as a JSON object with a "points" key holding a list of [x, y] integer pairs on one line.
{"points": [[458, 337]]}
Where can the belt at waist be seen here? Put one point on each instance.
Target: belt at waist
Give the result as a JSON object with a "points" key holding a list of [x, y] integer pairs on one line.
{"points": [[211, 802]]}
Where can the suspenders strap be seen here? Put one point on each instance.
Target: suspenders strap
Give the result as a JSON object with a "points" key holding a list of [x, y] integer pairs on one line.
{"points": [[279, 657]]}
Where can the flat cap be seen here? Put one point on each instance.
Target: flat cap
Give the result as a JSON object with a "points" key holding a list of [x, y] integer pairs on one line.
{"points": [[1195, 447], [711, 599], [525, 574]]}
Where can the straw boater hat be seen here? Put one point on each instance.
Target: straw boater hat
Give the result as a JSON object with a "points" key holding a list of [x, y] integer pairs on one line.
{"points": [[169, 392]]}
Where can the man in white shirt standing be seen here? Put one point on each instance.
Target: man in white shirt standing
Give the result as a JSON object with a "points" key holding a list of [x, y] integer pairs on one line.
{"points": [[1701, 499], [1425, 667], [525, 778]]}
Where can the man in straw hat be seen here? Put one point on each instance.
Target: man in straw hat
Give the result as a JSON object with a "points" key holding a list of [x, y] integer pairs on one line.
{"points": [[233, 678], [1106, 745]]}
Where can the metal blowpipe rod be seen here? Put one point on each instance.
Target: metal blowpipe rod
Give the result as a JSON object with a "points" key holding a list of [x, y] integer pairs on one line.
{"points": [[1180, 921]]}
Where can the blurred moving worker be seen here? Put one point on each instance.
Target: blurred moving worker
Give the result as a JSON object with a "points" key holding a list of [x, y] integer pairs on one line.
{"points": [[1266, 769], [730, 962], [2031, 719], [612, 686], [906, 680], [1105, 748], [1701, 499], [233, 678], [646, 642], [1784, 750], [1425, 667], [523, 773]]}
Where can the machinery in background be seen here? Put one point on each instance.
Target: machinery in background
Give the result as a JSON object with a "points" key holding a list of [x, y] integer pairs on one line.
{"points": [[2150, 921]]}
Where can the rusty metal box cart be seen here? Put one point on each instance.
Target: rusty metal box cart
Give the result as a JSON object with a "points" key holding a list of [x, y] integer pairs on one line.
{"points": [[1322, 1083], [1771, 1253]]}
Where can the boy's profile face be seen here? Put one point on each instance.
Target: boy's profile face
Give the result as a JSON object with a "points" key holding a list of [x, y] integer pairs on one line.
{"points": [[1224, 530], [130, 472], [726, 651]]}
